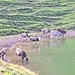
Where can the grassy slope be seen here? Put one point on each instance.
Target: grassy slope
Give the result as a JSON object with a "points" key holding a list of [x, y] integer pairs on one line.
{"points": [[10, 69], [22, 15]]}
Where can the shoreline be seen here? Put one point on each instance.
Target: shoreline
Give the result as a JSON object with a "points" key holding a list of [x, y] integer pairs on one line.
{"points": [[9, 41], [70, 33]]}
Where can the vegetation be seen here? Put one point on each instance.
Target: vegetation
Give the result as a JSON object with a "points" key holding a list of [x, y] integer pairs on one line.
{"points": [[17, 16], [10, 69]]}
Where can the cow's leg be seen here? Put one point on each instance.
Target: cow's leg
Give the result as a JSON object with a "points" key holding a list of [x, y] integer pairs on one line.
{"points": [[22, 59], [51, 36], [23, 55]]}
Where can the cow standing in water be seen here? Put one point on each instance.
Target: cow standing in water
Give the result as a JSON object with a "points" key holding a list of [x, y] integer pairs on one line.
{"points": [[22, 54], [57, 33], [62, 31]]}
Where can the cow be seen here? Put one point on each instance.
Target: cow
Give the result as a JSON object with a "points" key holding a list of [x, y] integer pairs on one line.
{"points": [[55, 33], [34, 38], [23, 37], [22, 54], [62, 31], [45, 30], [3, 55]]}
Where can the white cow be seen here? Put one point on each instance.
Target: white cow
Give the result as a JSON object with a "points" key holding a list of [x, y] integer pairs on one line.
{"points": [[55, 33]]}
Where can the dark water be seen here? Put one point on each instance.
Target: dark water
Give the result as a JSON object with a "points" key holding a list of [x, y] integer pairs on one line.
{"points": [[48, 57]]}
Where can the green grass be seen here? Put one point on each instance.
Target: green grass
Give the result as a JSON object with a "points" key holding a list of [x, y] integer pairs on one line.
{"points": [[10, 69], [33, 14]]}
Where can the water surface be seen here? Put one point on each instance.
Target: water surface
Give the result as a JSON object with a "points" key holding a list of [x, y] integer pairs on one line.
{"points": [[48, 57]]}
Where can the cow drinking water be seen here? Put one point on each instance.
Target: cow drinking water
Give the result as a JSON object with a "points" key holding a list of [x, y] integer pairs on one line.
{"points": [[22, 54]]}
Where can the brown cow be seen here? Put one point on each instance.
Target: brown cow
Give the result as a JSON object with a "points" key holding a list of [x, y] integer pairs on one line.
{"points": [[62, 31], [45, 30]]}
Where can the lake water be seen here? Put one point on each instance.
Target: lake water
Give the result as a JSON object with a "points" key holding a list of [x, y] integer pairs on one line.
{"points": [[48, 57]]}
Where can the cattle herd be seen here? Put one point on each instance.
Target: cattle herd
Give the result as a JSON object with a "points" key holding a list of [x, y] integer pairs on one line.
{"points": [[46, 32]]}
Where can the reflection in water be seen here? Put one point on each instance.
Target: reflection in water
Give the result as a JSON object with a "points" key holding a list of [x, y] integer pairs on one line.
{"points": [[52, 42], [35, 50], [37, 46], [31, 47], [57, 42]]}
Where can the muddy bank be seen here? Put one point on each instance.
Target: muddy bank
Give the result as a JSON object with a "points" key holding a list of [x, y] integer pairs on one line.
{"points": [[8, 42], [12, 40], [70, 34]]}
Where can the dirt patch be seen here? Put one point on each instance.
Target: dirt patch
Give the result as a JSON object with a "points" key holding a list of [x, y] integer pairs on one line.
{"points": [[8, 41]]}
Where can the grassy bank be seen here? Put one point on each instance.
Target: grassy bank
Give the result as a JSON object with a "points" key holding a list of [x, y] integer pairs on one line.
{"points": [[10, 69]]}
